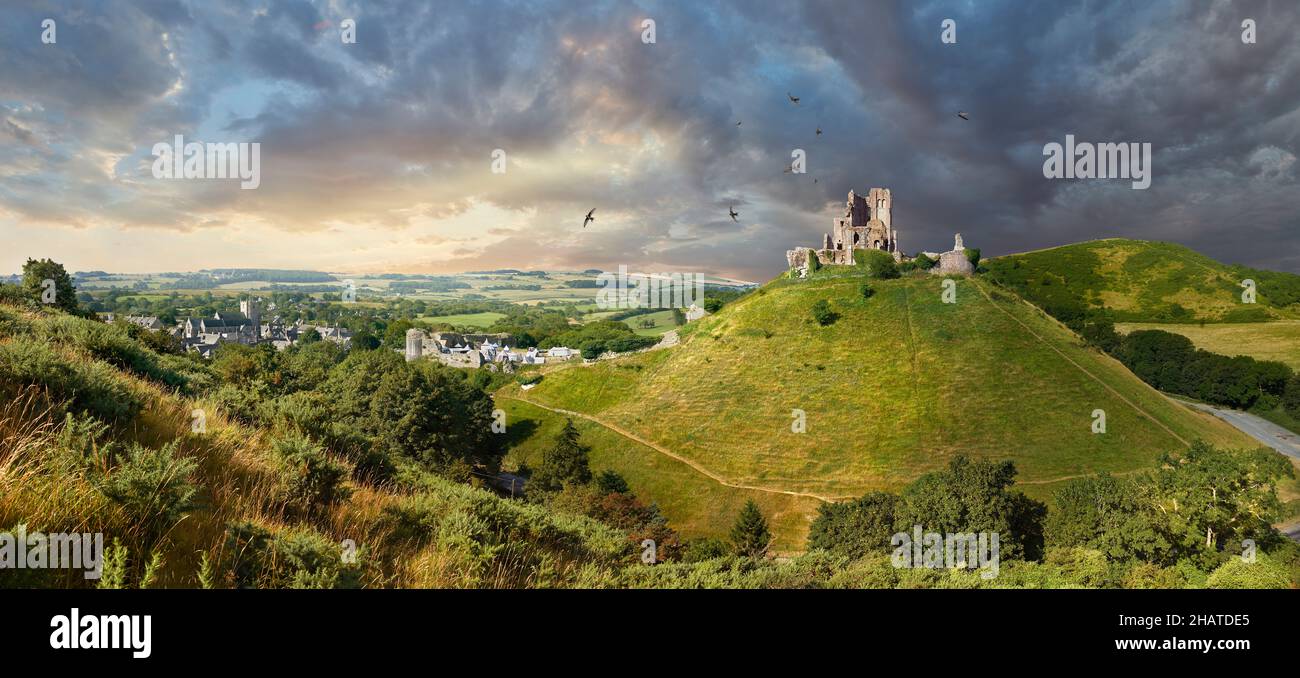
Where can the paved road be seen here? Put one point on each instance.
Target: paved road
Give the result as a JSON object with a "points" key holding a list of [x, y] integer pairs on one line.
{"points": [[1263, 430]]}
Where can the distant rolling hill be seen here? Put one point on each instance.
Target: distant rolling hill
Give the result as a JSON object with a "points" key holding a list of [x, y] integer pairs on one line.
{"points": [[896, 387], [1143, 281]]}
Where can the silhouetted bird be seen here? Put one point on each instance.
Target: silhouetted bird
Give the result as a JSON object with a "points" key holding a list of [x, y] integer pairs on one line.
{"points": [[738, 123], [962, 115], [793, 99], [589, 218], [819, 130], [732, 210]]}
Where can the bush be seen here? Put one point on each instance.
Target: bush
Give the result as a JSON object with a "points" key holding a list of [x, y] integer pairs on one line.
{"points": [[1264, 573], [611, 481], [243, 403], [866, 291], [153, 486], [259, 558], [310, 481], [526, 379], [878, 264], [1291, 397], [822, 313], [706, 548], [85, 385], [112, 344], [854, 528]]}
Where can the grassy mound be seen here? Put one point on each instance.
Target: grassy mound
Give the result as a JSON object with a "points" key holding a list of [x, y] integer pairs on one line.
{"points": [[896, 385]]}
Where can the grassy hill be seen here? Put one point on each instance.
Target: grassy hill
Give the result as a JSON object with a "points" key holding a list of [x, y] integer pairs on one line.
{"points": [[215, 507], [897, 386], [1141, 281]]}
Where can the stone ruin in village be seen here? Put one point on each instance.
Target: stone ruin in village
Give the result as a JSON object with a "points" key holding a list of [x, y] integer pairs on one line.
{"points": [[868, 224]]}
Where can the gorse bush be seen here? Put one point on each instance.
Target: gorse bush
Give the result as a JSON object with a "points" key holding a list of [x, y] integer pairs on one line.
{"points": [[112, 344], [559, 538], [256, 557], [87, 386], [310, 481], [152, 485]]}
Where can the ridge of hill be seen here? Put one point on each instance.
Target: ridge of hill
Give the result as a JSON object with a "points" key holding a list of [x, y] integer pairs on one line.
{"points": [[1145, 281]]}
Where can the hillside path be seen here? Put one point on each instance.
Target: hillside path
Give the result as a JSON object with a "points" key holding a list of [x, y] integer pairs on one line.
{"points": [[669, 453], [1070, 360]]}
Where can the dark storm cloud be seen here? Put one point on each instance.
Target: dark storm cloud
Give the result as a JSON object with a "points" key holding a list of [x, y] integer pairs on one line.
{"points": [[402, 122]]}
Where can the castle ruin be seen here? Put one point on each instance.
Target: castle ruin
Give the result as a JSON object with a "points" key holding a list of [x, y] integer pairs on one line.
{"points": [[867, 223]]}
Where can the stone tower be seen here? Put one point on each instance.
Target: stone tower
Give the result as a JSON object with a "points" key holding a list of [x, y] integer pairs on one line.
{"points": [[414, 344], [252, 310], [882, 207]]}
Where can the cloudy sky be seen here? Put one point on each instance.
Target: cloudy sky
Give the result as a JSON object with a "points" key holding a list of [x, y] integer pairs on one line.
{"points": [[377, 156]]}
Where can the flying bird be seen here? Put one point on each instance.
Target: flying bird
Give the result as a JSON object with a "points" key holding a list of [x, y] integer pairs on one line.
{"points": [[962, 115], [732, 211], [738, 123], [819, 130], [589, 218], [793, 99]]}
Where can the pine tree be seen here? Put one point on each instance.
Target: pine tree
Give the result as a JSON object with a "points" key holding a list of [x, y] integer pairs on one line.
{"points": [[750, 535], [566, 462]]}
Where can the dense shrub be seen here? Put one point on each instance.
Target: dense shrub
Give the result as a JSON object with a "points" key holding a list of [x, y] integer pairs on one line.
{"points": [[876, 263], [1263, 573], [310, 481], [152, 485], [86, 385], [854, 528], [114, 345], [705, 548], [244, 403], [257, 557], [1169, 362], [822, 313]]}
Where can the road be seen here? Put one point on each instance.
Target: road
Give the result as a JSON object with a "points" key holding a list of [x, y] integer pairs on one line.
{"points": [[1264, 431], [1260, 429]]}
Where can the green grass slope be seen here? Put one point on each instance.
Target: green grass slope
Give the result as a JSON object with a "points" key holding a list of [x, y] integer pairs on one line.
{"points": [[1142, 281], [896, 387]]}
